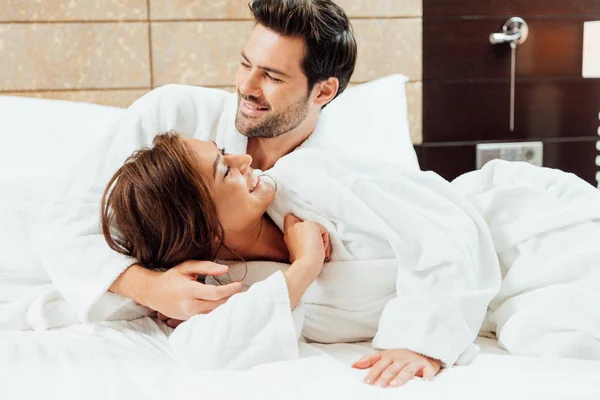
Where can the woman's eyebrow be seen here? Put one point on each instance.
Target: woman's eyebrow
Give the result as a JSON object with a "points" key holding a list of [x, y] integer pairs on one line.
{"points": [[216, 162]]}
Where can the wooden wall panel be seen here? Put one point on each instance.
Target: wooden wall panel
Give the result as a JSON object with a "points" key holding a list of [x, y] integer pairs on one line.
{"points": [[462, 8], [466, 83], [473, 111], [462, 50], [450, 161]]}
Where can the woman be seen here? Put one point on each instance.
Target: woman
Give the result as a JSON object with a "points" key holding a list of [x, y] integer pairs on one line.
{"points": [[185, 199]]}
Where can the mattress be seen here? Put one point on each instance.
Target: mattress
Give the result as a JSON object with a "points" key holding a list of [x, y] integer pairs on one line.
{"points": [[132, 360]]}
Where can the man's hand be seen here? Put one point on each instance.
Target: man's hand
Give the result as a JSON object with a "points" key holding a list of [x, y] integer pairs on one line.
{"points": [[172, 322], [396, 367], [175, 293]]}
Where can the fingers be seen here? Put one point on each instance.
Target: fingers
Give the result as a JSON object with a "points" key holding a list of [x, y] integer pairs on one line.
{"points": [[202, 307], [290, 220], [428, 373], [326, 242], [173, 323], [407, 373], [203, 268], [376, 370], [216, 293], [367, 361], [390, 373], [162, 317]]}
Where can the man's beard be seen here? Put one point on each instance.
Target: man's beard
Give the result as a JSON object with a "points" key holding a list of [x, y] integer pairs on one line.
{"points": [[272, 125]]}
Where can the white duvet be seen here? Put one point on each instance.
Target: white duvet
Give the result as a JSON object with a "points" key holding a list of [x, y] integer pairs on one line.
{"points": [[546, 230]]}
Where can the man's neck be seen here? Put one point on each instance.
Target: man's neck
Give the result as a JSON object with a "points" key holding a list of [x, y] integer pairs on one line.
{"points": [[266, 151]]}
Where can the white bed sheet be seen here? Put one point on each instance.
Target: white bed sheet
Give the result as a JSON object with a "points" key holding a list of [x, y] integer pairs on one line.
{"points": [[131, 360]]}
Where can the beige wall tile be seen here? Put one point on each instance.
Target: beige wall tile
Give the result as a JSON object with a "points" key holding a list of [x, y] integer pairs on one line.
{"points": [[382, 8], [199, 9], [74, 56], [414, 94], [388, 46], [230, 89], [236, 9], [197, 53], [115, 98], [72, 10]]}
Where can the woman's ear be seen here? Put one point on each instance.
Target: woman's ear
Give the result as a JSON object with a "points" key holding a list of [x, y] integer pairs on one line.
{"points": [[326, 91]]}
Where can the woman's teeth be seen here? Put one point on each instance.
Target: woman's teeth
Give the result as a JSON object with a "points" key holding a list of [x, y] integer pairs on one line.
{"points": [[254, 183]]}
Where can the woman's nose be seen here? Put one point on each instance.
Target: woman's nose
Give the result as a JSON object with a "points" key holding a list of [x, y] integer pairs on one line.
{"points": [[241, 161]]}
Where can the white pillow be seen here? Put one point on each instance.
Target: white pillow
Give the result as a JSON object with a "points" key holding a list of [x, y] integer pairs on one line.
{"points": [[45, 138], [369, 119]]}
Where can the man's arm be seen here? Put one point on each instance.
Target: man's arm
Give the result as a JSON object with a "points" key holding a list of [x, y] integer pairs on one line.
{"points": [[175, 293], [72, 248]]}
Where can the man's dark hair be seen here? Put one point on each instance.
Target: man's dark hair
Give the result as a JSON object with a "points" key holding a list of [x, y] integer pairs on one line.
{"points": [[330, 44]]}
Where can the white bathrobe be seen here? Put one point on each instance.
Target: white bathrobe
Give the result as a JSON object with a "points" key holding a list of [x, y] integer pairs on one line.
{"points": [[413, 267], [74, 255]]}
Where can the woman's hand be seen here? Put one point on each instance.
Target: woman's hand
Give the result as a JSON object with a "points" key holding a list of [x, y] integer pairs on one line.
{"points": [[396, 367], [306, 240]]}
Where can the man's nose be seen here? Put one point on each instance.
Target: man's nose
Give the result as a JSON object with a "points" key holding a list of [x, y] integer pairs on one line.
{"points": [[249, 86]]}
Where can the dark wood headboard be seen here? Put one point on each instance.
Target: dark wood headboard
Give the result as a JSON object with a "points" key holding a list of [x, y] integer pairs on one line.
{"points": [[466, 83]]}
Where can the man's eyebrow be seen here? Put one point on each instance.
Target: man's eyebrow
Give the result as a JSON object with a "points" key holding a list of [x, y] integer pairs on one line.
{"points": [[216, 162], [269, 69]]}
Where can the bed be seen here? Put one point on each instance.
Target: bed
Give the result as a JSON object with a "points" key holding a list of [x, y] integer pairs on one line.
{"points": [[128, 360], [131, 359]]}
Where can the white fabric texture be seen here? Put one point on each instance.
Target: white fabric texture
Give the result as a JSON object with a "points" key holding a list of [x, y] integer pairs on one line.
{"points": [[252, 328], [131, 360], [67, 246], [369, 120], [446, 267], [413, 267], [545, 227], [61, 254]]}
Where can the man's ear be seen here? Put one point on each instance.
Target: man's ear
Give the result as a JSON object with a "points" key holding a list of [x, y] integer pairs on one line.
{"points": [[326, 90]]}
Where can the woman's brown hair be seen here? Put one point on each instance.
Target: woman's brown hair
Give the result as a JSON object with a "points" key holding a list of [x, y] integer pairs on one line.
{"points": [[158, 208]]}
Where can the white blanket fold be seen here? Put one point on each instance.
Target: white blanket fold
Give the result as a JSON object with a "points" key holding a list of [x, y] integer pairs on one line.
{"points": [[545, 227], [446, 270]]}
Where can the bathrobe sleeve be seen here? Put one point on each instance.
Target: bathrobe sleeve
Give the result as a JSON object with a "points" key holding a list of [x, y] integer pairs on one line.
{"points": [[251, 328], [73, 250], [447, 270]]}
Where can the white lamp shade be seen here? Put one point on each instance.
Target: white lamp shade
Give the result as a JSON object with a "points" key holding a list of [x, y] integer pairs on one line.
{"points": [[591, 49]]}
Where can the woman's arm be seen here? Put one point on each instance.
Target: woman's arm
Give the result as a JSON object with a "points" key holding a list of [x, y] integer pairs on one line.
{"points": [[257, 326], [308, 244]]}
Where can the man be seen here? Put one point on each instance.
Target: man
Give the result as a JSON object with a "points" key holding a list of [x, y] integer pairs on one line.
{"points": [[300, 56]]}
